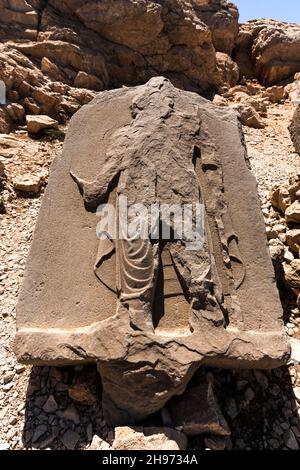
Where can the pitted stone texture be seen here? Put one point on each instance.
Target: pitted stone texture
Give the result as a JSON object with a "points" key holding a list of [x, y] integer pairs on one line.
{"points": [[268, 50], [150, 313], [295, 129]]}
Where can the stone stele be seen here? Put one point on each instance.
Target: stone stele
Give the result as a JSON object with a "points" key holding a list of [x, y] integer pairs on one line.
{"points": [[150, 311]]}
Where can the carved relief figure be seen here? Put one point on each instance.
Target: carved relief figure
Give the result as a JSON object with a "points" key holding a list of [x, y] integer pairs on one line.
{"points": [[151, 161]]}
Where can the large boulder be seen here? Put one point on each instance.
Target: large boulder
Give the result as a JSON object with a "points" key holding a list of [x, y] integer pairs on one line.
{"points": [[268, 50], [294, 129], [223, 20], [150, 308]]}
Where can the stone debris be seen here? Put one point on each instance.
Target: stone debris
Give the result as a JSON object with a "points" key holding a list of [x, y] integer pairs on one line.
{"points": [[27, 183], [127, 438], [197, 412], [36, 124], [294, 127], [85, 387], [285, 200], [99, 444]]}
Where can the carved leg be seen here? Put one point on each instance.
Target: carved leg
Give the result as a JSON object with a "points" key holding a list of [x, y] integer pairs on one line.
{"points": [[137, 266]]}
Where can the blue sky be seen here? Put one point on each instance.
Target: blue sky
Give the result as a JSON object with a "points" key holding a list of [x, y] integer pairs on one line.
{"points": [[284, 10]]}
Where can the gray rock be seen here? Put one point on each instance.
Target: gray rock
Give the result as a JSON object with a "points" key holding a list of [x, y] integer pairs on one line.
{"points": [[290, 440], [50, 406], [231, 408], [39, 432], [71, 414], [70, 439], [261, 379]]}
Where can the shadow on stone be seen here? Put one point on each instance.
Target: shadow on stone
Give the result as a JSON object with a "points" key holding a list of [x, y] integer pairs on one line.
{"points": [[53, 419], [259, 407]]}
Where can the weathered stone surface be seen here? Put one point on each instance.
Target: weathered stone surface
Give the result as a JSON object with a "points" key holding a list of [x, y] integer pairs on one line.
{"points": [[222, 19], [268, 50], [292, 213], [275, 94], [28, 183], [85, 387], [149, 439], [99, 45], [228, 70], [292, 274], [197, 412], [92, 302], [5, 121], [249, 117], [99, 444], [293, 240], [36, 124], [295, 129]]}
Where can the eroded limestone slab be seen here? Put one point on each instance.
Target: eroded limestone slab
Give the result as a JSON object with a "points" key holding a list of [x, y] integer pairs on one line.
{"points": [[150, 311]]}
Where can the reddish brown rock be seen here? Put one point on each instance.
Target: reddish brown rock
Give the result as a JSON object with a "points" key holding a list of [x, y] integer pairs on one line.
{"points": [[295, 129], [5, 121], [268, 50], [249, 116], [228, 70], [36, 124], [85, 387], [222, 19]]}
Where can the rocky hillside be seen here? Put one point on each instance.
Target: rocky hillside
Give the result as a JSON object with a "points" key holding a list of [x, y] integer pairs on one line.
{"points": [[55, 54]]}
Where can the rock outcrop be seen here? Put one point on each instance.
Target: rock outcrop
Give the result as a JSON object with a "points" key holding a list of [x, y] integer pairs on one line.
{"points": [[150, 313], [55, 54], [268, 50], [294, 129], [222, 19]]}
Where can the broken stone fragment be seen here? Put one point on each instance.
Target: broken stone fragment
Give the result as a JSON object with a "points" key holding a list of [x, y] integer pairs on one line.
{"points": [[91, 82], [248, 116], [280, 198], [99, 444], [127, 438], [295, 127], [292, 213], [38, 123], [292, 274], [27, 183], [85, 387], [275, 94], [50, 406], [70, 439], [197, 412], [2, 169], [16, 112], [293, 240]]}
